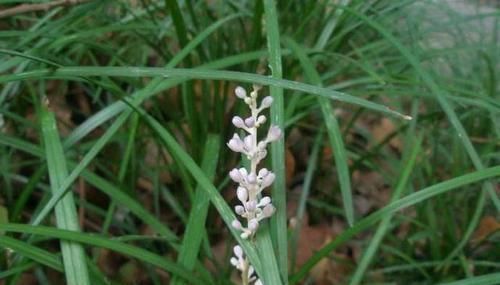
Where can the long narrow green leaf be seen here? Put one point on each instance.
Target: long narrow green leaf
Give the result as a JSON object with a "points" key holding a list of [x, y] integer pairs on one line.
{"points": [[488, 279], [202, 180], [161, 84], [32, 252], [393, 207], [198, 73], [370, 251], [63, 186], [17, 270], [195, 228], [304, 195], [278, 220], [26, 193], [333, 130], [75, 267], [130, 147], [112, 244], [136, 101], [134, 206], [102, 184], [440, 96]]}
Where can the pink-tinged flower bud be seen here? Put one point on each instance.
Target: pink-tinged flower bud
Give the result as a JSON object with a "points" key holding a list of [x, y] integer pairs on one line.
{"points": [[248, 142], [238, 251], [244, 173], [236, 175], [266, 102], [264, 201], [236, 144], [240, 92], [251, 178], [242, 194], [273, 134], [268, 180], [248, 100], [240, 210], [238, 122], [253, 225], [262, 145], [237, 225], [251, 271], [250, 122], [251, 206], [234, 262], [263, 172], [268, 211], [261, 119]]}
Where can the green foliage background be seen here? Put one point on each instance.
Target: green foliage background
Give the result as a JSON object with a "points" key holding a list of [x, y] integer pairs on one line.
{"points": [[110, 96]]}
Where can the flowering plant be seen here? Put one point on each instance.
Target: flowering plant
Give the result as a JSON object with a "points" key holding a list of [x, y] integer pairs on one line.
{"points": [[254, 206]]}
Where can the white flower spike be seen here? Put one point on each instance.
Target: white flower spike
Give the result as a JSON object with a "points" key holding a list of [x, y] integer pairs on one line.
{"points": [[254, 207]]}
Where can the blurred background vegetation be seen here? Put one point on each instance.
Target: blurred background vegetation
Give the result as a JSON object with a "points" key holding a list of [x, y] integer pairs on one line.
{"points": [[436, 61]]}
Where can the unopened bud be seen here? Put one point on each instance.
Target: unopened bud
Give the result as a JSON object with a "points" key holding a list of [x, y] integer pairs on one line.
{"points": [[236, 175], [263, 172], [237, 225], [243, 171], [250, 122], [273, 134], [268, 211], [240, 210], [251, 178], [248, 140], [240, 92], [261, 119], [238, 122], [268, 180], [242, 194], [265, 201], [238, 251], [235, 144], [251, 206], [253, 225], [266, 102]]}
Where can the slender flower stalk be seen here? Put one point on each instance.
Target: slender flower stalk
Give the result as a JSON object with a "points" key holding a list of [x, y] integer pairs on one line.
{"points": [[254, 206]]}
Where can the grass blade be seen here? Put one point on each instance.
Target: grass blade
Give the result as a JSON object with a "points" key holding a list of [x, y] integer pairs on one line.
{"points": [[304, 195], [400, 204], [278, 221], [75, 267], [32, 252], [385, 223], [440, 96], [217, 200], [488, 279], [139, 97], [198, 73], [109, 189], [195, 228], [333, 130], [111, 244]]}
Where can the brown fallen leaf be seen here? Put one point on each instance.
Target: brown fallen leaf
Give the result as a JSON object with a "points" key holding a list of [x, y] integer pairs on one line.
{"points": [[383, 128], [487, 226], [290, 165]]}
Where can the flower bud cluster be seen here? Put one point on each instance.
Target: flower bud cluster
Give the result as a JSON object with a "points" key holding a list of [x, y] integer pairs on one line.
{"points": [[254, 207], [241, 263]]}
